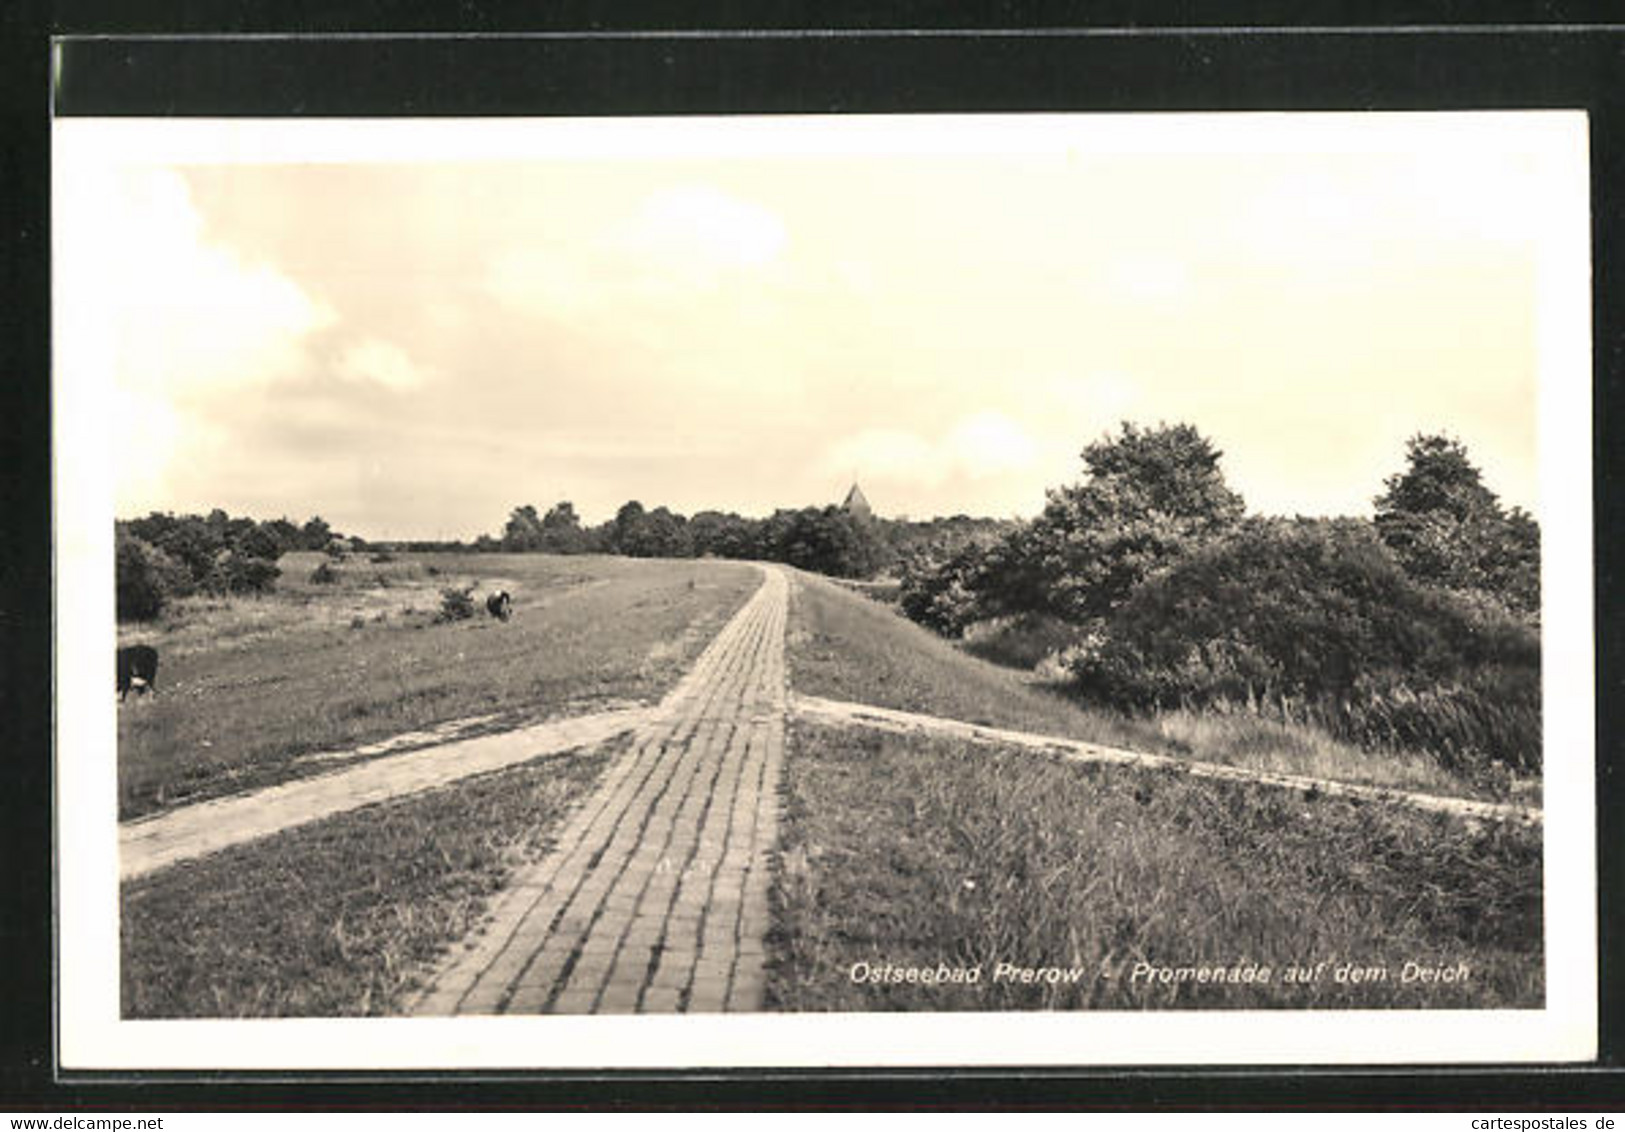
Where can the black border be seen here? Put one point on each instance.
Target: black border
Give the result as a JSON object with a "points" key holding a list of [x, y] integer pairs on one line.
{"points": [[737, 58]]}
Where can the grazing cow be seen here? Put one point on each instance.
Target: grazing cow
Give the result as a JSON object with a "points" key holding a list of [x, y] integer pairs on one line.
{"points": [[138, 666], [499, 605]]}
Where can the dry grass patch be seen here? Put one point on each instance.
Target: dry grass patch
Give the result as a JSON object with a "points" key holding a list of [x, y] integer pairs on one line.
{"points": [[342, 916], [917, 852]]}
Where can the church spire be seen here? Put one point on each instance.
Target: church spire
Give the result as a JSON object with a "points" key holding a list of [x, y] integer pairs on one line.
{"points": [[855, 504]]}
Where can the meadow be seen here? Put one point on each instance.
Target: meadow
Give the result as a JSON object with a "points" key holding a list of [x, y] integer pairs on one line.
{"points": [[248, 685]]}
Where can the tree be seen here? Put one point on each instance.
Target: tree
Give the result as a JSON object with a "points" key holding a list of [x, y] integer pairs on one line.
{"points": [[523, 530], [561, 516], [943, 586], [1151, 496], [654, 534], [316, 534], [260, 542], [193, 543], [1449, 530], [287, 535], [829, 540], [1438, 477], [145, 578], [561, 531], [723, 535], [623, 528], [245, 574]]}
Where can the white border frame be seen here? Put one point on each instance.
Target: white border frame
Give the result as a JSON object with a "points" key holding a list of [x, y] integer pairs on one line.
{"points": [[93, 1037]]}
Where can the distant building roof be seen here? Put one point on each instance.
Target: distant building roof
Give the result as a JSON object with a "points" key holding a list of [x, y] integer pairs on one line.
{"points": [[856, 504]]}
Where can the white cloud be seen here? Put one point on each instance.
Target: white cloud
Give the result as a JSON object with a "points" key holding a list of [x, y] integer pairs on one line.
{"points": [[1149, 277], [989, 444], [1093, 402], [376, 361], [885, 454], [143, 295], [698, 229], [680, 241], [193, 316], [980, 446], [544, 279]]}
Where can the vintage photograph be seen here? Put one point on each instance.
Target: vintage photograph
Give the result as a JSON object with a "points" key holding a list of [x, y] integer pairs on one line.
{"points": [[989, 571]]}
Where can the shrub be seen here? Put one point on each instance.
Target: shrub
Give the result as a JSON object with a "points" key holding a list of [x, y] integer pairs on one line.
{"points": [[244, 574], [943, 591], [456, 604], [145, 579], [828, 540], [1022, 640], [1315, 621], [324, 574]]}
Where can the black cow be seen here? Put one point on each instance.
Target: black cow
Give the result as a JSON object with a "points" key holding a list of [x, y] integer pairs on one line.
{"points": [[137, 663], [499, 605]]}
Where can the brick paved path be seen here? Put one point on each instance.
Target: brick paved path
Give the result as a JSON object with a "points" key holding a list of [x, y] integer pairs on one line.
{"points": [[655, 897]]}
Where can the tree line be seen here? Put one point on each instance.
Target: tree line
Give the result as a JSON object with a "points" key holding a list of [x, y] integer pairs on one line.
{"points": [[163, 556], [828, 540]]}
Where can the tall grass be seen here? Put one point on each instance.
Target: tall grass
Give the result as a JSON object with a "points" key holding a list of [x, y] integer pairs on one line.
{"points": [[916, 852]]}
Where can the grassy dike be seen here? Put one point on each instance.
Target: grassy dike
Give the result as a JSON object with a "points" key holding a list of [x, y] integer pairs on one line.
{"points": [[904, 853]]}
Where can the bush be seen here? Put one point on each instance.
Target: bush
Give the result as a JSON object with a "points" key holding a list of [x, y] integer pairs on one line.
{"points": [[1315, 621], [324, 574], [456, 604], [827, 540], [1022, 640], [145, 579], [943, 591], [244, 574]]}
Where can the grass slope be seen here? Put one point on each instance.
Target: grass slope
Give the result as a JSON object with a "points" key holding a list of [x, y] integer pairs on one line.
{"points": [[916, 852], [341, 916], [247, 685], [847, 647]]}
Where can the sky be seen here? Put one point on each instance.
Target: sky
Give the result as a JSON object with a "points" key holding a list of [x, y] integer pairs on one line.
{"points": [[411, 339]]}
